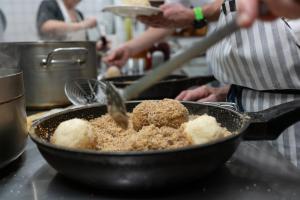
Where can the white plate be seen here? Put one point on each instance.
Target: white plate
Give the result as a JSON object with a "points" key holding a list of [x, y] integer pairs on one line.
{"points": [[131, 11]]}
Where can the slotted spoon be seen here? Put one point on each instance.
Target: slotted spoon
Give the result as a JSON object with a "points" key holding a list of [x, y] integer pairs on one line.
{"points": [[85, 91]]}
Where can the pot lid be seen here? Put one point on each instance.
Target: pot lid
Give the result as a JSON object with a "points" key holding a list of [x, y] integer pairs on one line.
{"points": [[11, 86]]}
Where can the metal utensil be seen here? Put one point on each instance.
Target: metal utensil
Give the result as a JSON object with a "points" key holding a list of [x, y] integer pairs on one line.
{"points": [[85, 91], [13, 131], [115, 100], [48, 65]]}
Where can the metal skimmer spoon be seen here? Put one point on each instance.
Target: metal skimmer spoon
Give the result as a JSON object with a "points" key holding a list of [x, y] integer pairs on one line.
{"points": [[116, 101]]}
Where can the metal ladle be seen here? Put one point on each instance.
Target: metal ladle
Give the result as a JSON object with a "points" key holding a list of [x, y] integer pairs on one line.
{"points": [[116, 101]]}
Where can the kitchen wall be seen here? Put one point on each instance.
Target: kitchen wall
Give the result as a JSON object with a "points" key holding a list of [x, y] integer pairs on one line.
{"points": [[21, 17]]}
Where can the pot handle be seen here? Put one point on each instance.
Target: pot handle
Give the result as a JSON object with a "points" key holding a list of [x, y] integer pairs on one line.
{"points": [[269, 124], [80, 59]]}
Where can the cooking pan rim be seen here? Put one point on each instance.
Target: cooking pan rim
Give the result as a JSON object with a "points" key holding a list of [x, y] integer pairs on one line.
{"points": [[43, 143], [42, 42], [181, 78], [19, 73]]}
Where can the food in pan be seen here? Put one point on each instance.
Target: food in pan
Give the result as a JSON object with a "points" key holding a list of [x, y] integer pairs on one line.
{"points": [[112, 72], [167, 112], [110, 137], [204, 129], [74, 133], [153, 125], [136, 2]]}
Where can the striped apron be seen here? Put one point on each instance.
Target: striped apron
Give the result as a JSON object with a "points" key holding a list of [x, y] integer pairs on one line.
{"points": [[263, 58]]}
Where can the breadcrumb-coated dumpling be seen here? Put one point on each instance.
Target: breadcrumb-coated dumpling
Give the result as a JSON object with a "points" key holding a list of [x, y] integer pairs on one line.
{"points": [[140, 114], [74, 133], [204, 129], [167, 112]]}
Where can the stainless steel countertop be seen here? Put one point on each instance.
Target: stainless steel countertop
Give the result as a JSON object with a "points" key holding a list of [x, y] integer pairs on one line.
{"points": [[252, 173]]}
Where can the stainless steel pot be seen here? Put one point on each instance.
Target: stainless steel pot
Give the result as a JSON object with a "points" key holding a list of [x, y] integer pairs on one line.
{"points": [[13, 130], [48, 65]]}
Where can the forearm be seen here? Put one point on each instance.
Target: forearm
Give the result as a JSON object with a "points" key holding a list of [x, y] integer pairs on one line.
{"points": [[60, 27], [147, 39], [212, 11]]}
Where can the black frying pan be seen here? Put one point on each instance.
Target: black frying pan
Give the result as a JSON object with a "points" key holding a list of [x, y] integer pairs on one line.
{"points": [[170, 87], [156, 169]]}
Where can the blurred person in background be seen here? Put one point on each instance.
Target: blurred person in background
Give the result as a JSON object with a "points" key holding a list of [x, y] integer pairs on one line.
{"points": [[60, 20]]}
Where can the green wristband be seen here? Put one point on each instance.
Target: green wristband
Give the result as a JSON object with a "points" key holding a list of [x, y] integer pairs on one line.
{"points": [[198, 13]]}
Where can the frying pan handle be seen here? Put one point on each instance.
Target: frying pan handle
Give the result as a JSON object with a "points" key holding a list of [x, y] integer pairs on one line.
{"points": [[270, 123]]}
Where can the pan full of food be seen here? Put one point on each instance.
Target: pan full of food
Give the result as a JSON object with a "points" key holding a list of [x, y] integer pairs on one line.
{"points": [[167, 142]]}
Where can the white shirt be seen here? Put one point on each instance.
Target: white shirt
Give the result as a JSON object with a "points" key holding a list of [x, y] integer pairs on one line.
{"points": [[263, 57], [295, 26], [79, 35]]}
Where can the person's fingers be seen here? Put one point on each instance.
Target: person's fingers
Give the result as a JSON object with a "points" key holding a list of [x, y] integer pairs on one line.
{"points": [[247, 12], [190, 96], [118, 63], [198, 93], [168, 13], [105, 60], [210, 98], [181, 95], [121, 57], [110, 57], [166, 6], [123, 61]]}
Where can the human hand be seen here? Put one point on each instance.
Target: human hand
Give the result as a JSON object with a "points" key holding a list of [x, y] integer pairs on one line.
{"points": [[204, 94], [173, 15], [118, 57], [248, 11], [89, 23]]}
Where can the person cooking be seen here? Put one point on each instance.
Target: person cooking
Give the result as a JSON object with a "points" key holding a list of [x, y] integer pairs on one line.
{"points": [[261, 63], [60, 20]]}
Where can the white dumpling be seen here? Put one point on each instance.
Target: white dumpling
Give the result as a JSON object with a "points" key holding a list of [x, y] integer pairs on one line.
{"points": [[74, 133], [113, 72], [203, 129]]}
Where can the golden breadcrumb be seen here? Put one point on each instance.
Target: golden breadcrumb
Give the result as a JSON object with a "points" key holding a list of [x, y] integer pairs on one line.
{"points": [[167, 112], [110, 137]]}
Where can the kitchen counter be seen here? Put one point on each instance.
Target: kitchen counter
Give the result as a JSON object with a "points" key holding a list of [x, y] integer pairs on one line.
{"points": [[252, 173]]}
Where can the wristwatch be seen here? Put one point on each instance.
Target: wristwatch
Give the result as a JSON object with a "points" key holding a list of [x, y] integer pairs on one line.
{"points": [[200, 20]]}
